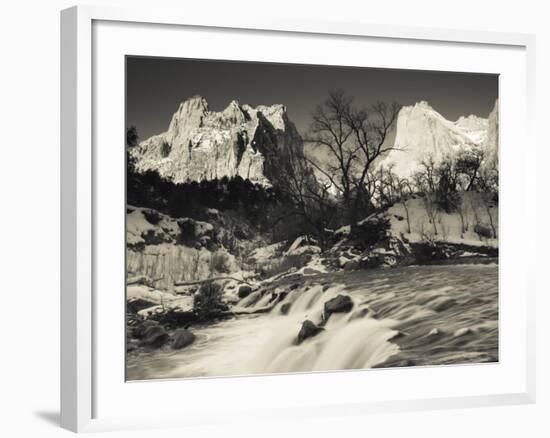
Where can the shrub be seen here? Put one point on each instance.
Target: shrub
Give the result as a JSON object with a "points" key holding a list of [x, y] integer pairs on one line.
{"points": [[426, 252], [208, 299], [483, 231], [187, 234], [447, 197], [220, 262], [372, 231], [447, 200], [152, 216]]}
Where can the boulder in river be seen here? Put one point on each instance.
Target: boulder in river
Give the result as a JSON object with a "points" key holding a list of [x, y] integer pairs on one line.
{"points": [[339, 304], [308, 330], [351, 265], [139, 331], [154, 337], [434, 332], [285, 308], [182, 338], [131, 345], [244, 291], [361, 313]]}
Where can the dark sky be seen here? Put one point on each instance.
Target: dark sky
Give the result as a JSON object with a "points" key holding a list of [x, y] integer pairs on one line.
{"points": [[156, 86]]}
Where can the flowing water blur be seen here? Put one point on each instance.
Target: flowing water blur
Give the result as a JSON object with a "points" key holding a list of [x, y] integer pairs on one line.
{"points": [[417, 315]]}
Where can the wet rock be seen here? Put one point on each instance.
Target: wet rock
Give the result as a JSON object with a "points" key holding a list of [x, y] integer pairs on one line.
{"points": [[462, 332], [154, 337], [483, 230], [182, 338], [434, 332], [136, 304], [351, 265], [244, 291], [285, 308], [176, 317], [140, 330], [372, 261], [397, 335], [308, 330], [361, 313], [405, 363], [339, 304], [131, 345]]}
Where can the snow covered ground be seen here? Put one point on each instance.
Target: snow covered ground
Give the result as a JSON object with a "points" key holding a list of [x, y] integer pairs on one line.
{"points": [[458, 227]]}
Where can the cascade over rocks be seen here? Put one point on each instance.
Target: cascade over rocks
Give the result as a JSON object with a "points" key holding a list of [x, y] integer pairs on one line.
{"points": [[339, 304], [154, 336], [285, 308], [140, 331], [182, 338], [308, 330], [244, 291]]}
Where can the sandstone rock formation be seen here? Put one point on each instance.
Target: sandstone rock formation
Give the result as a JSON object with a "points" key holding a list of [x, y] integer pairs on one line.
{"points": [[421, 132], [254, 143]]}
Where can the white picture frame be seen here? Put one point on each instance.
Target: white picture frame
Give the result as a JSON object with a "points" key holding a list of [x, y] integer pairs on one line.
{"points": [[84, 381]]}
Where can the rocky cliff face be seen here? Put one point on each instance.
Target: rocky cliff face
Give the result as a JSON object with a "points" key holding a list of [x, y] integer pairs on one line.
{"points": [[491, 141], [422, 132], [253, 143]]}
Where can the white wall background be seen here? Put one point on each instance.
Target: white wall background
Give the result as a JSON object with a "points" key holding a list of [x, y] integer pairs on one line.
{"points": [[29, 216]]}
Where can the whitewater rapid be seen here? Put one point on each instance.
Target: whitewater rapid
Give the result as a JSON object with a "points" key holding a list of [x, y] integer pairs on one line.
{"points": [[399, 317]]}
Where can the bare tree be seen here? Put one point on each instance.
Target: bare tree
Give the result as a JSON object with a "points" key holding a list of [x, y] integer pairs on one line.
{"points": [[405, 191], [468, 167], [354, 138], [431, 210], [487, 199], [462, 210], [426, 178], [391, 189], [311, 199]]}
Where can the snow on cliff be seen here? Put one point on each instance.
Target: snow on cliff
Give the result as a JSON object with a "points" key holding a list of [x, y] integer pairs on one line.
{"points": [[240, 140], [421, 132]]}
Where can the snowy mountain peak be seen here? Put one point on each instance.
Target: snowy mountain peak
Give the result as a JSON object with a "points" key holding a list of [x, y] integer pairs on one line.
{"points": [[240, 140], [422, 132], [193, 104], [423, 104], [472, 122]]}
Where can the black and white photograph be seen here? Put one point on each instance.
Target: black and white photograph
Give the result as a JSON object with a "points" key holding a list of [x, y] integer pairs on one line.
{"points": [[267, 220], [293, 218]]}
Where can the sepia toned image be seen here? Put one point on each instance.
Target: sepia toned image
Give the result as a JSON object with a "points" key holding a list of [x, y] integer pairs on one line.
{"points": [[285, 218]]}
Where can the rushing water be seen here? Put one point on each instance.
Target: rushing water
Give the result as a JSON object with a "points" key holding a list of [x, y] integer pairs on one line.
{"points": [[419, 315]]}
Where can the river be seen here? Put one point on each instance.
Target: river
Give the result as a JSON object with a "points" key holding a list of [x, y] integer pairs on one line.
{"points": [[407, 316]]}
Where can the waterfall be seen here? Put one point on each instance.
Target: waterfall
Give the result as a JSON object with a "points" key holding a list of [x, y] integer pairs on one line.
{"points": [[345, 343], [401, 317], [266, 343]]}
